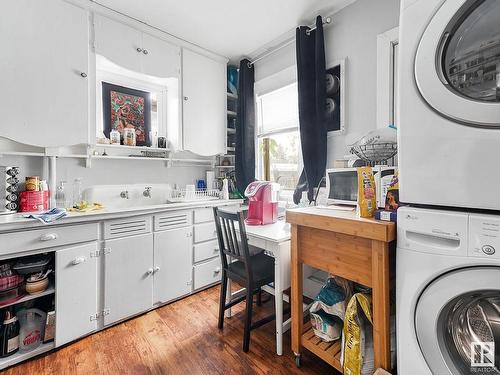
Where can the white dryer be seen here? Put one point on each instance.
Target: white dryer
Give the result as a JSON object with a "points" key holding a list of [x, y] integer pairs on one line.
{"points": [[449, 103], [447, 293]]}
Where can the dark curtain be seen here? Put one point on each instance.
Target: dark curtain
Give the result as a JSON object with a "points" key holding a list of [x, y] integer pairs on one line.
{"points": [[312, 117], [245, 127]]}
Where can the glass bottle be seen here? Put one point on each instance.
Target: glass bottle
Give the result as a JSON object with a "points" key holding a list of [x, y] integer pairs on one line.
{"points": [[77, 190], [61, 195], [10, 334]]}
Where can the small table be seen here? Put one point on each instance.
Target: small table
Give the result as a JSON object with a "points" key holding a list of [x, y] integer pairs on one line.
{"points": [[275, 240], [345, 245]]}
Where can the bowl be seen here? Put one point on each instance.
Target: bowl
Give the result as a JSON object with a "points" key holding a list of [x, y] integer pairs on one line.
{"points": [[38, 286]]}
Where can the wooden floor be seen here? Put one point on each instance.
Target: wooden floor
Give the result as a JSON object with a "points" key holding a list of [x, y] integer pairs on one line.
{"points": [[180, 338]]}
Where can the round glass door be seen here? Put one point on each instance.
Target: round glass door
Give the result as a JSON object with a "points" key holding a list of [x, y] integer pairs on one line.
{"points": [[471, 56], [457, 322], [457, 63]]}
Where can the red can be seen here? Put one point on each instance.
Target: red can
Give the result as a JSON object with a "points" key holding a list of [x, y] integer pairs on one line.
{"points": [[33, 201]]}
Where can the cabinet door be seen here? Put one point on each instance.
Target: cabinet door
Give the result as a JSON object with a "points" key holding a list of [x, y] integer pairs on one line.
{"points": [[161, 59], [76, 292], [173, 264], [119, 43], [43, 72], [128, 277], [204, 104]]}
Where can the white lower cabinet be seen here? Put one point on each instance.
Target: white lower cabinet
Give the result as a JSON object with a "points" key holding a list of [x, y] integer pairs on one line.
{"points": [[207, 273], [128, 277], [76, 292], [172, 264]]}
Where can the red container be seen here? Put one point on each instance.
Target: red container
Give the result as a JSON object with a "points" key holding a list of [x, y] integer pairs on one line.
{"points": [[33, 201]]}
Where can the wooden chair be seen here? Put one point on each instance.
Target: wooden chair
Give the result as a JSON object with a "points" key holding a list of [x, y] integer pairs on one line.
{"points": [[250, 271]]}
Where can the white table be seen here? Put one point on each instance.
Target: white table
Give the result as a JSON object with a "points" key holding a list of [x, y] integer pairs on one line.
{"points": [[275, 240]]}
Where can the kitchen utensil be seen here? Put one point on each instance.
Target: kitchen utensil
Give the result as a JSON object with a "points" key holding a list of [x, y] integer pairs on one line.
{"points": [[37, 285]]}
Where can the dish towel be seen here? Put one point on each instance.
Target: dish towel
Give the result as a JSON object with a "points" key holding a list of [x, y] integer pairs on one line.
{"points": [[49, 216]]}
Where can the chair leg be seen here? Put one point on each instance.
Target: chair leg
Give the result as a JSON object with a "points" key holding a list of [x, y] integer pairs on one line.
{"points": [[222, 301], [248, 320], [259, 297]]}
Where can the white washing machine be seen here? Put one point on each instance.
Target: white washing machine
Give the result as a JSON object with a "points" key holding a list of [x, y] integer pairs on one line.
{"points": [[449, 103], [447, 292]]}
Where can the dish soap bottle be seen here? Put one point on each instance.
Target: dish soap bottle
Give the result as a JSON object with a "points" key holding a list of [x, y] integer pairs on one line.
{"points": [[10, 334]]}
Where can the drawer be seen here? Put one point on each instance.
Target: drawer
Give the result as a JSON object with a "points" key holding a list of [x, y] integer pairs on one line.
{"points": [[207, 273], [206, 250], [47, 238], [203, 215], [172, 220], [131, 226], [205, 232]]}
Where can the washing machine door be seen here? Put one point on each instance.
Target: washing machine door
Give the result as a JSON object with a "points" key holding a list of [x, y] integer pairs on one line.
{"points": [[457, 64], [457, 322]]}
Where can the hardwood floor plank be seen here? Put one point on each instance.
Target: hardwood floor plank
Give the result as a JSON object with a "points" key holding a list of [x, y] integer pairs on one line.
{"points": [[177, 339]]}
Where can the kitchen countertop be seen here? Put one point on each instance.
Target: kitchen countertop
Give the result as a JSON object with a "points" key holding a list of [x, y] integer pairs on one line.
{"points": [[17, 221]]}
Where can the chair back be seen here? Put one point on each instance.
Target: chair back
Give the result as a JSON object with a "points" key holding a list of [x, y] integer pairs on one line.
{"points": [[232, 242]]}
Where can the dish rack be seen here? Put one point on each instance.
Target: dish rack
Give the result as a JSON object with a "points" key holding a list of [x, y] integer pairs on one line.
{"points": [[376, 153], [184, 195]]}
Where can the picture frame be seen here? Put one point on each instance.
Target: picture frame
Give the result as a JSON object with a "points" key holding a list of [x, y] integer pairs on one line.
{"points": [[124, 107]]}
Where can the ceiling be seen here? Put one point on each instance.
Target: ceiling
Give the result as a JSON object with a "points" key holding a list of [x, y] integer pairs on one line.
{"points": [[227, 27]]}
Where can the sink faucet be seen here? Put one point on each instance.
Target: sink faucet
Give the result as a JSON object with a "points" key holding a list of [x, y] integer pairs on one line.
{"points": [[124, 194], [147, 191]]}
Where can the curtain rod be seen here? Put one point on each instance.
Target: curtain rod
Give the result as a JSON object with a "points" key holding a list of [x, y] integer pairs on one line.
{"points": [[326, 21]]}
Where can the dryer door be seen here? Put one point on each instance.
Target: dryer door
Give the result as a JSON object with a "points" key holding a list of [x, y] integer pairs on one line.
{"points": [[457, 322], [457, 65]]}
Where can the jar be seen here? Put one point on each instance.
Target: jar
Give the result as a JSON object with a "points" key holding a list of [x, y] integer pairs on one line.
{"points": [[32, 183], [129, 137], [114, 137]]}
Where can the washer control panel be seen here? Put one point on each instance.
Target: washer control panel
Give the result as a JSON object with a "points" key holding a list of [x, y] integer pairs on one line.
{"points": [[484, 236]]}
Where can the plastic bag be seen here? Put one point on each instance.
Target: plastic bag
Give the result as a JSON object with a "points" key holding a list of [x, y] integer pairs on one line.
{"points": [[327, 311], [357, 341], [367, 197]]}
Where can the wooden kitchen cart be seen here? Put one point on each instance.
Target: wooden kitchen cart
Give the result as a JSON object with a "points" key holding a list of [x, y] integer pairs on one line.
{"points": [[357, 249]]}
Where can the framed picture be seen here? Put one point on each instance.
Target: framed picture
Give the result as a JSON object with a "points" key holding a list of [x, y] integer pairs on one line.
{"points": [[124, 107], [335, 95]]}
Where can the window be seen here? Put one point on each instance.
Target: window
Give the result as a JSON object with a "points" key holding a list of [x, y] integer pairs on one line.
{"points": [[387, 75], [279, 156]]}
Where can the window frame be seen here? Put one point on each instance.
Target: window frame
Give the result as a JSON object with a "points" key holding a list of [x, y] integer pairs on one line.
{"points": [[263, 160]]}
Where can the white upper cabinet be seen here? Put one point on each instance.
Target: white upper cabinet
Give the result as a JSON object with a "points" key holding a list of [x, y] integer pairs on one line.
{"points": [[134, 50], [119, 43], [204, 104], [161, 59], [44, 72]]}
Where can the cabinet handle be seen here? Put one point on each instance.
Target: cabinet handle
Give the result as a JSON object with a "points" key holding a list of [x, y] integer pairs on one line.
{"points": [[216, 250], [139, 49], [83, 74], [145, 51], [48, 237], [186, 98], [217, 271], [78, 260], [150, 271], [156, 269]]}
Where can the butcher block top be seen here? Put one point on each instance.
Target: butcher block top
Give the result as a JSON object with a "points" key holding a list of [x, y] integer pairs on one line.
{"points": [[342, 221]]}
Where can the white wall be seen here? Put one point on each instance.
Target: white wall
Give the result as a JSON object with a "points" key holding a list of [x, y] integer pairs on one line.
{"points": [[104, 172], [352, 35]]}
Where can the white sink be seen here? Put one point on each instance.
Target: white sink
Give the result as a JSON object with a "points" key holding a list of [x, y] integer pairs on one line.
{"points": [[127, 196]]}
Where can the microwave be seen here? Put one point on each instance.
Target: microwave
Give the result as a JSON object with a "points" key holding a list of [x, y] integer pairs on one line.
{"points": [[342, 184]]}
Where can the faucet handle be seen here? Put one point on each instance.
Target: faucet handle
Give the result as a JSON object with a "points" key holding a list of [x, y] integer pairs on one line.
{"points": [[147, 191]]}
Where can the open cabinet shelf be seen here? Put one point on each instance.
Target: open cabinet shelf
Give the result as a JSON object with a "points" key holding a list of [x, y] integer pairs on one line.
{"points": [[327, 351], [22, 356], [28, 297]]}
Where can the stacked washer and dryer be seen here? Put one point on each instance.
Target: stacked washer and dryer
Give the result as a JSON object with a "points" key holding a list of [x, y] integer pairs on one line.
{"points": [[448, 256]]}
